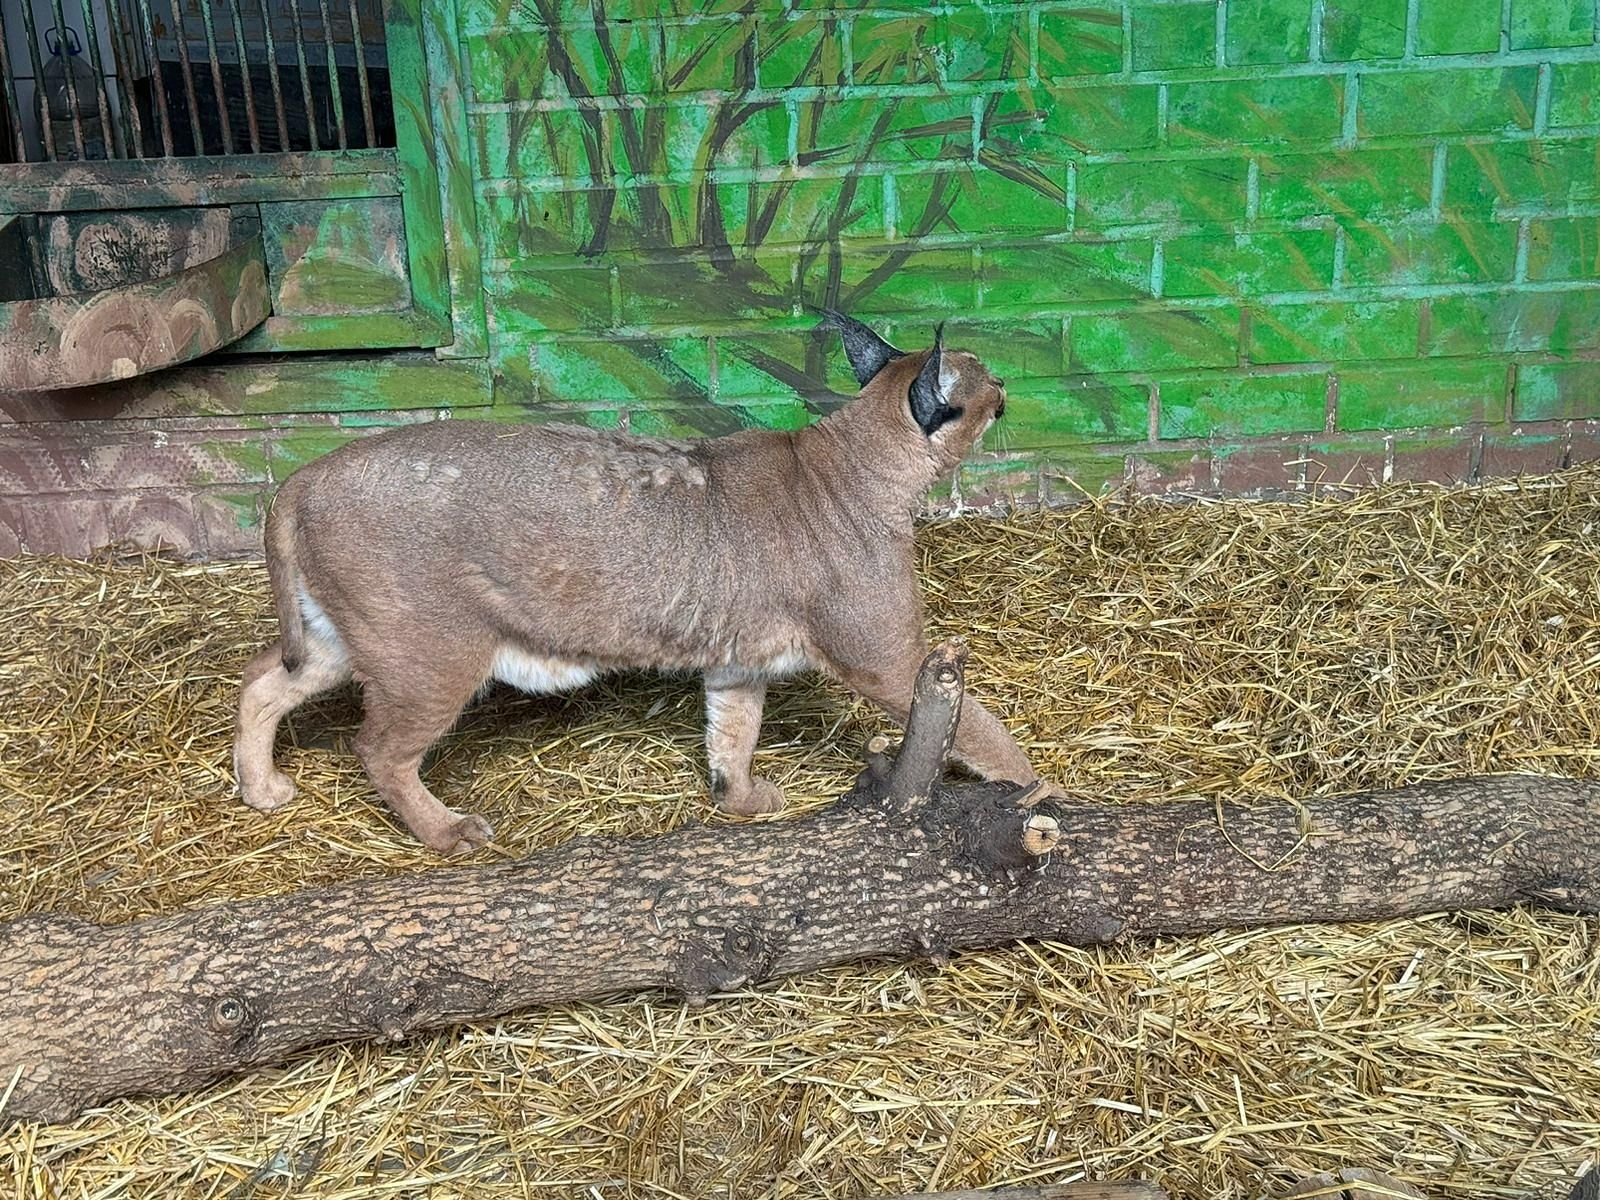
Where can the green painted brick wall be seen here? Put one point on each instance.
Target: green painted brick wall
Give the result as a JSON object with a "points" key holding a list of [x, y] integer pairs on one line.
{"points": [[1185, 231]]}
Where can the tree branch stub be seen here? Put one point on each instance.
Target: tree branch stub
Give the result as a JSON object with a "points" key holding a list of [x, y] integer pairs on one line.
{"points": [[930, 729]]}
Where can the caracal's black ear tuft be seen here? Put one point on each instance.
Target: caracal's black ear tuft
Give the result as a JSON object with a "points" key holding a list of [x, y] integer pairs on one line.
{"points": [[927, 389], [868, 353]]}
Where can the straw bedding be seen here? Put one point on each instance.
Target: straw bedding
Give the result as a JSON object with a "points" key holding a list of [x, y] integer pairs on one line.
{"points": [[1141, 651]]}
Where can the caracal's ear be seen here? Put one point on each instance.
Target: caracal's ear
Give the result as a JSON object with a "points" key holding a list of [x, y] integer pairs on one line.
{"points": [[928, 405], [868, 353]]}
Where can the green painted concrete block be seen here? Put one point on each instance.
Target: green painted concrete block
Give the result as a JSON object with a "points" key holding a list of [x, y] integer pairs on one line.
{"points": [[1052, 126], [934, 282], [1548, 174], [1243, 406], [1453, 27], [528, 144], [623, 370], [1083, 474], [1332, 332], [1065, 273], [546, 297], [1575, 94], [1541, 23], [1268, 31], [1248, 264], [1079, 40], [684, 293], [1208, 191], [620, 58], [1467, 100], [532, 222], [895, 48], [1347, 183], [1564, 248], [759, 137], [507, 65], [793, 211], [897, 129], [708, 56], [1437, 395], [1172, 34], [1557, 392], [1556, 322], [498, 16], [648, 143], [801, 49], [1363, 29], [1155, 338], [753, 363], [1060, 413], [984, 44], [977, 201], [1457, 250], [1306, 108]]}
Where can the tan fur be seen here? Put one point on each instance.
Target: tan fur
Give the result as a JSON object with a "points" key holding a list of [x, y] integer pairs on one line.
{"points": [[429, 559]]}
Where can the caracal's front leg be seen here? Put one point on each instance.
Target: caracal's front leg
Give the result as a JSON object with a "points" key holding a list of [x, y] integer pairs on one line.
{"points": [[734, 700]]}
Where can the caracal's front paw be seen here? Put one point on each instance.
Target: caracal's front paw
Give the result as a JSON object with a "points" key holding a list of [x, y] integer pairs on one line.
{"points": [[761, 796], [457, 833], [269, 793]]}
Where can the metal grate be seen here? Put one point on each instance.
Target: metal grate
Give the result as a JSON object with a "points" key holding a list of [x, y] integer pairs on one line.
{"points": [[94, 79]]}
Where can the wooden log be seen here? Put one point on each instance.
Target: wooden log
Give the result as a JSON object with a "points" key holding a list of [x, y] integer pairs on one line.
{"points": [[89, 1012]]}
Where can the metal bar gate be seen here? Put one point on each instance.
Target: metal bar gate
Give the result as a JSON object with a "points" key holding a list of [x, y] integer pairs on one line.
{"points": [[95, 79]]}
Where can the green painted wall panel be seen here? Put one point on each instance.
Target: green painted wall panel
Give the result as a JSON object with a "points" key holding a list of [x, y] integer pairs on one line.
{"points": [[1234, 221]]}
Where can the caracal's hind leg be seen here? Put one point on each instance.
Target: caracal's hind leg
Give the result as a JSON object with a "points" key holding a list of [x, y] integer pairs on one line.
{"points": [[270, 693]]}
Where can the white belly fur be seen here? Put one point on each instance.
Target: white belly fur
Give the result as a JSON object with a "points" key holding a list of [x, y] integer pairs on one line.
{"points": [[320, 628], [788, 662], [537, 674]]}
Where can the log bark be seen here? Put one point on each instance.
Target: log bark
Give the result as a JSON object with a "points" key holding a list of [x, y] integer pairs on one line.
{"points": [[89, 1012]]}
